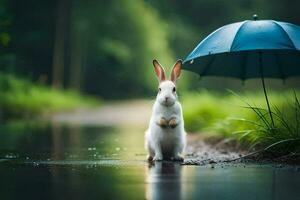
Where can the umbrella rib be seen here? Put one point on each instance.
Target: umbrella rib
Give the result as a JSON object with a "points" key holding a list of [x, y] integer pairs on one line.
{"points": [[279, 65], [285, 33], [207, 66], [236, 34]]}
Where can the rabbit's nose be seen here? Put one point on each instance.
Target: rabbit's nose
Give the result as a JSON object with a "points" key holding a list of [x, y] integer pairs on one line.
{"points": [[166, 98]]}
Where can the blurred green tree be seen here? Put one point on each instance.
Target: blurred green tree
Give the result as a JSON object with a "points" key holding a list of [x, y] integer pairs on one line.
{"points": [[106, 47], [6, 21], [116, 42], [61, 15]]}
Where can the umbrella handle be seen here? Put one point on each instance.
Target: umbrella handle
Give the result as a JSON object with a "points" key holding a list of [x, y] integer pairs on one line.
{"points": [[264, 87]]}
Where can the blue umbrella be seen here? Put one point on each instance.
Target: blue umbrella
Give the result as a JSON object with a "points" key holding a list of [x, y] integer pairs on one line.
{"points": [[249, 49]]}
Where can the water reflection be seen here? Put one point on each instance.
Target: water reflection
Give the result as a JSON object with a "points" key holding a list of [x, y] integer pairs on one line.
{"points": [[163, 180], [56, 134], [53, 141], [77, 162], [239, 182]]}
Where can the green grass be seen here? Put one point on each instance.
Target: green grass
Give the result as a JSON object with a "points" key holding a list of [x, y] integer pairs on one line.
{"points": [[246, 119], [20, 97], [282, 137]]}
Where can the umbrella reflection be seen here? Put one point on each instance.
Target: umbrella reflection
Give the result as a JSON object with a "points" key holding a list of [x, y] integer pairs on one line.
{"points": [[163, 180]]}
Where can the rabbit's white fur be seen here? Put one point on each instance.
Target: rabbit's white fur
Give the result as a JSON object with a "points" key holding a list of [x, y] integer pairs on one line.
{"points": [[166, 137]]}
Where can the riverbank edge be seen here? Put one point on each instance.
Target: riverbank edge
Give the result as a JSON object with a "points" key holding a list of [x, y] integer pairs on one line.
{"points": [[217, 150]]}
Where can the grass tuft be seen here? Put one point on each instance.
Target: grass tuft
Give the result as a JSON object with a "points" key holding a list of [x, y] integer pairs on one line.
{"points": [[245, 118]]}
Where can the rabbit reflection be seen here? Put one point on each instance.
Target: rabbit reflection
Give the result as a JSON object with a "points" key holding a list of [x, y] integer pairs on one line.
{"points": [[163, 180]]}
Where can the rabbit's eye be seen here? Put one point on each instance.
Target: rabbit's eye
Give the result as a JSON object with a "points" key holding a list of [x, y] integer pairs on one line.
{"points": [[159, 89], [174, 89]]}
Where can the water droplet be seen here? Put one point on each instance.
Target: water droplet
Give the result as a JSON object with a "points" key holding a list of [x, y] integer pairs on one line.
{"points": [[11, 155]]}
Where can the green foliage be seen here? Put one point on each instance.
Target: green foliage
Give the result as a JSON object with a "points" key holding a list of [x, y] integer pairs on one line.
{"points": [[19, 97], [202, 110], [206, 110], [109, 45], [246, 118], [282, 137], [121, 39]]}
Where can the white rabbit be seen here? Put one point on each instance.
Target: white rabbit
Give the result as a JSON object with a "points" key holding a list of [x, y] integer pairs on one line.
{"points": [[166, 137]]}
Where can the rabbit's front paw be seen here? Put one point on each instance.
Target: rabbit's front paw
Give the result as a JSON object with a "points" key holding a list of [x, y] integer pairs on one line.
{"points": [[173, 122], [158, 158], [149, 158], [163, 122]]}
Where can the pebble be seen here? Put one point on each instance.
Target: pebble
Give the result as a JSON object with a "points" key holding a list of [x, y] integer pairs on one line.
{"points": [[212, 162]]}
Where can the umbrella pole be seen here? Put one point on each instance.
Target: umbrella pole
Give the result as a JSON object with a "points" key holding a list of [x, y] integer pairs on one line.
{"points": [[264, 87]]}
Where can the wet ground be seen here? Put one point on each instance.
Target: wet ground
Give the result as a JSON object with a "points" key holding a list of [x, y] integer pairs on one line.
{"points": [[63, 159]]}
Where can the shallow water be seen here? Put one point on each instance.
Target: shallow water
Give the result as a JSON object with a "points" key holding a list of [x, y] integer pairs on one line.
{"points": [[53, 161]]}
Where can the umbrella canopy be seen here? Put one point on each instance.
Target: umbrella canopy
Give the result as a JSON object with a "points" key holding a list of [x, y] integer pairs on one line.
{"points": [[243, 49], [249, 49]]}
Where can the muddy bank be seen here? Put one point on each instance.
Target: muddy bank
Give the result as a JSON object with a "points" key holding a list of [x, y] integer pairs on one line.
{"points": [[211, 150], [215, 150]]}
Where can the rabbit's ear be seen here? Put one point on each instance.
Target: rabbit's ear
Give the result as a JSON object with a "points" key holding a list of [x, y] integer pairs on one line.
{"points": [[159, 70], [176, 71]]}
